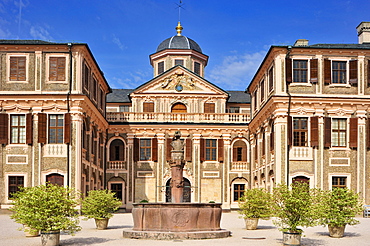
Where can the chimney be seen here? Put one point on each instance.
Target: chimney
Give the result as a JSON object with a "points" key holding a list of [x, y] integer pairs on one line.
{"points": [[363, 32], [301, 42]]}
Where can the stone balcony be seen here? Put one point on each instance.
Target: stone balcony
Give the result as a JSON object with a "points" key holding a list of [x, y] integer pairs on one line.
{"points": [[117, 165], [225, 118], [239, 166]]}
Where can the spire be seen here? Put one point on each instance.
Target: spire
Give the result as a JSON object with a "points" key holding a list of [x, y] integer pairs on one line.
{"points": [[179, 29]]}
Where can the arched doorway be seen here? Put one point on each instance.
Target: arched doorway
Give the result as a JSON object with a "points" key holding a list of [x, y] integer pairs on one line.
{"points": [[178, 108], [55, 178], [186, 197], [301, 179]]}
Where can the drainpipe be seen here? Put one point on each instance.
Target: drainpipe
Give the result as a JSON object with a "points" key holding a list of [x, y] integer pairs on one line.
{"points": [[289, 106], [69, 109]]}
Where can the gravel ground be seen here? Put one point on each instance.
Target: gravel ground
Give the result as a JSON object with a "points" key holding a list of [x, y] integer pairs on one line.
{"points": [[266, 234]]}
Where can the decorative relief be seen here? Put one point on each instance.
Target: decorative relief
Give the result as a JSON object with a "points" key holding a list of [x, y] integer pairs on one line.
{"points": [[181, 218], [178, 82]]}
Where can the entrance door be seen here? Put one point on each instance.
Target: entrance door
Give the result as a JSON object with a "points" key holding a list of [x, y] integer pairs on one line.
{"points": [[117, 190], [178, 108], [186, 196], [301, 179], [55, 178]]}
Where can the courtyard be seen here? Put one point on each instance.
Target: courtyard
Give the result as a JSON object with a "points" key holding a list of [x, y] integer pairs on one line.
{"points": [[266, 234]]}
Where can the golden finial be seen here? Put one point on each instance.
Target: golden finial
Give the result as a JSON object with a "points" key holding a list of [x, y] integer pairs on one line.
{"points": [[179, 29]]}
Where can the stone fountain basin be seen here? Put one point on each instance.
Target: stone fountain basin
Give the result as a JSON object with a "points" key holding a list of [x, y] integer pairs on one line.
{"points": [[176, 217]]}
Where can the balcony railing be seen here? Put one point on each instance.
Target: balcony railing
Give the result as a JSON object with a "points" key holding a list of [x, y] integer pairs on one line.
{"points": [[301, 153], [117, 165], [239, 166], [235, 118]]}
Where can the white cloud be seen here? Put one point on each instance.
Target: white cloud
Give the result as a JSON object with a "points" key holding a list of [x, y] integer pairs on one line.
{"points": [[118, 42], [38, 32], [236, 71], [130, 80]]}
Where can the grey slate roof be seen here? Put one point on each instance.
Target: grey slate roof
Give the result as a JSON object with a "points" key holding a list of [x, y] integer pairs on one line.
{"points": [[339, 46], [119, 95], [179, 42], [122, 96], [22, 42], [238, 97]]}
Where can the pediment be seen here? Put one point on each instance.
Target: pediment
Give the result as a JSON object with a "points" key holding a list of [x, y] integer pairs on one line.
{"points": [[179, 81]]}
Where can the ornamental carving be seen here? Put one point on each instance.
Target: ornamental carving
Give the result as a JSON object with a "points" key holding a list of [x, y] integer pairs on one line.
{"points": [[178, 82]]}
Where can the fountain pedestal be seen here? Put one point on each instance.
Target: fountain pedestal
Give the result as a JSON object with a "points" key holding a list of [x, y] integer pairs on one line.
{"points": [[176, 220]]}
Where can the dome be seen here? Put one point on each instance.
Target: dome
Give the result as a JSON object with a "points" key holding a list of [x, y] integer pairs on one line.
{"points": [[179, 42]]}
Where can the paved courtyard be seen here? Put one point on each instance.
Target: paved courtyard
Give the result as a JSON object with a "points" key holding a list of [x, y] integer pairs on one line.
{"points": [[266, 234]]}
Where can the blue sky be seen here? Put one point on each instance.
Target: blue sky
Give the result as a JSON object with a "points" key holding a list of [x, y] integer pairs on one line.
{"points": [[235, 34]]}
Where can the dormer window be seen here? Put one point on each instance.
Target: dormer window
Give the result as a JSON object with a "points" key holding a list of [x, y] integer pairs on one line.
{"points": [[179, 62], [160, 67], [197, 68]]}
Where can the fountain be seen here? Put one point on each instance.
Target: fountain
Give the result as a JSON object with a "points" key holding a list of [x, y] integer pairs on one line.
{"points": [[176, 220]]}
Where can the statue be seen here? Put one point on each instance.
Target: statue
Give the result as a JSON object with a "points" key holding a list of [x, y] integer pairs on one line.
{"points": [[177, 165]]}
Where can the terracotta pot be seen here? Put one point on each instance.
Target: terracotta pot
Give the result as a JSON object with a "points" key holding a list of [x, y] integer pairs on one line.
{"points": [[292, 238], [251, 223], [101, 224], [50, 238], [29, 232], [336, 231]]}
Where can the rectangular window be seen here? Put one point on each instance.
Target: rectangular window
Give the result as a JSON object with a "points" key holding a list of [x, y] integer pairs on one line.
{"points": [[124, 108], [339, 182], [209, 108], [300, 131], [239, 154], [56, 123], [255, 100], [239, 190], [179, 62], [17, 68], [197, 68], [86, 76], [271, 79], [339, 132], [339, 72], [234, 110], [18, 129], [15, 183], [57, 69], [160, 67], [262, 86], [300, 71], [145, 149], [211, 149], [148, 107]]}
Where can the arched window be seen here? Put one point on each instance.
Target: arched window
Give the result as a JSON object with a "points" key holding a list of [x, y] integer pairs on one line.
{"points": [[178, 108], [301, 179], [239, 151], [116, 150]]}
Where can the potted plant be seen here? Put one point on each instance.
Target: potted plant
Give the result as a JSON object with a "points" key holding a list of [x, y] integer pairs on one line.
{"points": [[47, 208], [255, 204], [99, 205], [293, 208], [340, 206]]}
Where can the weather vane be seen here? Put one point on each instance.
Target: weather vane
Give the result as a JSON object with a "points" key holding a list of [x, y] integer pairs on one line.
{"points": [[179, 6]]}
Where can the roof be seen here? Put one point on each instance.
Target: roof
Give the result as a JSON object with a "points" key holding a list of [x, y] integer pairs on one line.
{"points": [[22, 42], [179, 42], [238, 97], [120, 96]]}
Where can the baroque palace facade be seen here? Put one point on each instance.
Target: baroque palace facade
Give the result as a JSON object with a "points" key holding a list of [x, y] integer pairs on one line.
{"points": [[303, 117]]}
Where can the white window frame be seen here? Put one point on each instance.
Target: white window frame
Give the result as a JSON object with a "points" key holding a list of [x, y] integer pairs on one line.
{"points": [[344, 175], [8, 67], [347, 134], [347, 73], [6, 195]]}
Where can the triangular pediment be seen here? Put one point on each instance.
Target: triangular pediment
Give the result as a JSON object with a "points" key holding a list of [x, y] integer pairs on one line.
{"points": [[179, 80]]}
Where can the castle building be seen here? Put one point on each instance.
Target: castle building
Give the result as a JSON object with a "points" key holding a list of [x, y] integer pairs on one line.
{"points": [[303, 117], [310, 110]]}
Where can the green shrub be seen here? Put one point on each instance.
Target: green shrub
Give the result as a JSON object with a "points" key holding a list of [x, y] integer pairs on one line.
{"points": [[99, 204], [255, 203], [339, 207], [46, 208]]}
